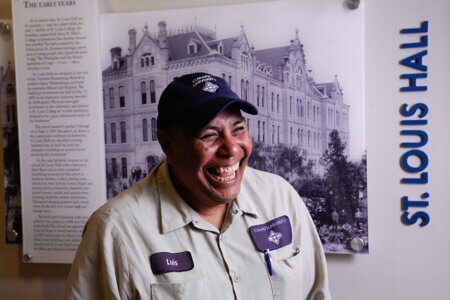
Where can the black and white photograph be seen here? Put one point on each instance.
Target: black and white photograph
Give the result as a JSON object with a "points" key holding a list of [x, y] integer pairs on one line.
{"points": [[304, 76], [11, 172]]}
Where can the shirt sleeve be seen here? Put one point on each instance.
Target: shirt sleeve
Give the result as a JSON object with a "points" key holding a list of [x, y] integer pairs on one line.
{"points": [[318, 266], [100, 269], [320, 288]]}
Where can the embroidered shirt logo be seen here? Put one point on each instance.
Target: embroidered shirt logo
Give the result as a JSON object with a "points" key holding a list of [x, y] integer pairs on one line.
{"points": [[210, 87], [274, 237]]}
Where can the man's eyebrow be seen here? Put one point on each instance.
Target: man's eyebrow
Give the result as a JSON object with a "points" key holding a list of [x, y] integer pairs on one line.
{"points": [[209, 127], [242, 119]]}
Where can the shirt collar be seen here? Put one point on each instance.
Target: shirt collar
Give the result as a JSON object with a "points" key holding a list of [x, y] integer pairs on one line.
{"points": [[175, 213], [243, 200]]}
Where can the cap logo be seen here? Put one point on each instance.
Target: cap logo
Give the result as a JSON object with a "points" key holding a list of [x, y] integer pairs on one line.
{"points": [[203, 78], [210, 87]]}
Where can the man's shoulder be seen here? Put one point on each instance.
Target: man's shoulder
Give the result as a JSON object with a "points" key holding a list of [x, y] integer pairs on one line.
{"points": [[257, 177], [137, 199], [268, 191]]}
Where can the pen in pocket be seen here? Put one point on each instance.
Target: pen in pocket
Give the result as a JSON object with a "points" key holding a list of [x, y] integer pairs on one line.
{"points": [[268, 261]]}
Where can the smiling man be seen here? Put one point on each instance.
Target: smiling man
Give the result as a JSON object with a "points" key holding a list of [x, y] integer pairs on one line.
{"points": [[202, 225], [206, 166]]}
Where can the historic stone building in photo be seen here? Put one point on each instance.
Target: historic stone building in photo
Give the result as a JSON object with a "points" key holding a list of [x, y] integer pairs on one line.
{"points": [[293, 108]]}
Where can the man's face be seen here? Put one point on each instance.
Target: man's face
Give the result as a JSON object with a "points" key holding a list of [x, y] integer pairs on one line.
{"points": [[207, 166]]}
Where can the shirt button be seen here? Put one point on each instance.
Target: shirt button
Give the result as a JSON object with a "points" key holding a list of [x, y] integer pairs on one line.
{"points": [[221, 238], [236, 278], [235, 211]]}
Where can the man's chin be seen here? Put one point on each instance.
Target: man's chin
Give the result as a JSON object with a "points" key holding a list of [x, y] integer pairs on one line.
{"points": [[225, 198]]}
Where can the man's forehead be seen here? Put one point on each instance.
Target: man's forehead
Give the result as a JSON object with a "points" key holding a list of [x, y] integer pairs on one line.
{"points": [[231, 114]]}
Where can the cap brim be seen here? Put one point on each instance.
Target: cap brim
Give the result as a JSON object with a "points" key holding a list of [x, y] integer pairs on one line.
{"points": [[208, 111]]}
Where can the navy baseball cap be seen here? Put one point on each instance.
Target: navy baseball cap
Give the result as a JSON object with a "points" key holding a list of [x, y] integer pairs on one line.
{"points": [[194, 100]]}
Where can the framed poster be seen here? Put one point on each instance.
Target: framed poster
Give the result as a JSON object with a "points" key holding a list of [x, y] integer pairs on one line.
{"points": [[304, 76]]}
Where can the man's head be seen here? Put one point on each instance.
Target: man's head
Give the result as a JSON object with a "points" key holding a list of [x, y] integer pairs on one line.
{"points": [[207, 147], [193, 100]]}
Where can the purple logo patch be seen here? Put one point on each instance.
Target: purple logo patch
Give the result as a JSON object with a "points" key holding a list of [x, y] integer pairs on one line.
{"points": [[165, 262], [272, 235]]}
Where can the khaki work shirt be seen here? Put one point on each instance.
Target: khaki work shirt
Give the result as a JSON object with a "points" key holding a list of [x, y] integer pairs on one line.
{"points": [[113, 259]]}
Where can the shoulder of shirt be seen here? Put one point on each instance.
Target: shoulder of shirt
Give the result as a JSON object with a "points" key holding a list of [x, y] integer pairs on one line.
{"points": [[129, 202], [272, 196], [269, 190], [254, 176]]}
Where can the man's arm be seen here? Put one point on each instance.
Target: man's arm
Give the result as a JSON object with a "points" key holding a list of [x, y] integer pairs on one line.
{"points": [[320, 289], [312, 248], [100, 269]]}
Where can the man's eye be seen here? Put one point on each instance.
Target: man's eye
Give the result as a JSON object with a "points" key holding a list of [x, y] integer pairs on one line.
{"points": [[239, 129], [208, 137]]}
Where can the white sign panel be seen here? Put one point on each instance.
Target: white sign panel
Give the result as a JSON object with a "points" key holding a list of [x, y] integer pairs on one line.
{"points": [[60, 124]]}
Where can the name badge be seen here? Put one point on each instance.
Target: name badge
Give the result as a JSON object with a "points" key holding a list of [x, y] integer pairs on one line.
{"points": [[272, 235], [165, 262]]}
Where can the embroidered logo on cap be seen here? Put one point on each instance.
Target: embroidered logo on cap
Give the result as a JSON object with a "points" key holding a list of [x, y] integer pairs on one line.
{"points": [[210, 87], [272, 235], [165, 262], [203, 78]]}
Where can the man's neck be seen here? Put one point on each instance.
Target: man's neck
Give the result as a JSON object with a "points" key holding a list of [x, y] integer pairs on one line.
{"points": [[213, 215]]}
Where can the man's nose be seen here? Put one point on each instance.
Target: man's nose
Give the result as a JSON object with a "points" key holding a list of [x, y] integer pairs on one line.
{"points": [[229, 146]]}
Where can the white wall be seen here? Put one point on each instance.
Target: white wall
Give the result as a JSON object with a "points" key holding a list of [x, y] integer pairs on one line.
{"points": [[404, 262]]}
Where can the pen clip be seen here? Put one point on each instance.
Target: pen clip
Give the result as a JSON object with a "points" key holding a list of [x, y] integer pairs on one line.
{"points": [[268, 261]]}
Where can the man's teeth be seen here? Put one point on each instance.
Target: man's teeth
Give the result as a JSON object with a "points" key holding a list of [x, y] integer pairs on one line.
{"points": [[227, 173], [222, 170], [226, 178]]}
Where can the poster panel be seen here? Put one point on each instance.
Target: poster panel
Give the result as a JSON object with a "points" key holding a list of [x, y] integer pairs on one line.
{"points": [[305, 77], [61, 150], [10, 145]]}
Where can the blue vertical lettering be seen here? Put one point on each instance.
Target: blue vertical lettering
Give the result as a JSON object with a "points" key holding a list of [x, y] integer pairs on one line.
{"points": [[415, 61], [420, 133], [409, 112], [422, 29], [413, 87]]}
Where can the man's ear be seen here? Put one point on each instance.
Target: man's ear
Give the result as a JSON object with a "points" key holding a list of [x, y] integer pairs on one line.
{"points": [[165, 141]]}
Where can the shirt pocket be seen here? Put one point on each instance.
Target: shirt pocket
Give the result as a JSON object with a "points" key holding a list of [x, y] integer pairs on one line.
{"points": [[179, 285], [287, 277]]}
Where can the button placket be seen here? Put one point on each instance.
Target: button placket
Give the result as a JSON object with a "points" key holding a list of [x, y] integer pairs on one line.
{"points": [[233, 275]]}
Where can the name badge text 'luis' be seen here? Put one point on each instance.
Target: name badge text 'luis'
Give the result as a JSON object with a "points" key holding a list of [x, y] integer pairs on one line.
{"points": [[165, 262]]}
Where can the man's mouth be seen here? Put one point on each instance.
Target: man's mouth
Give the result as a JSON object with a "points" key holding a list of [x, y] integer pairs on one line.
{"points": [[224, 174]]}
